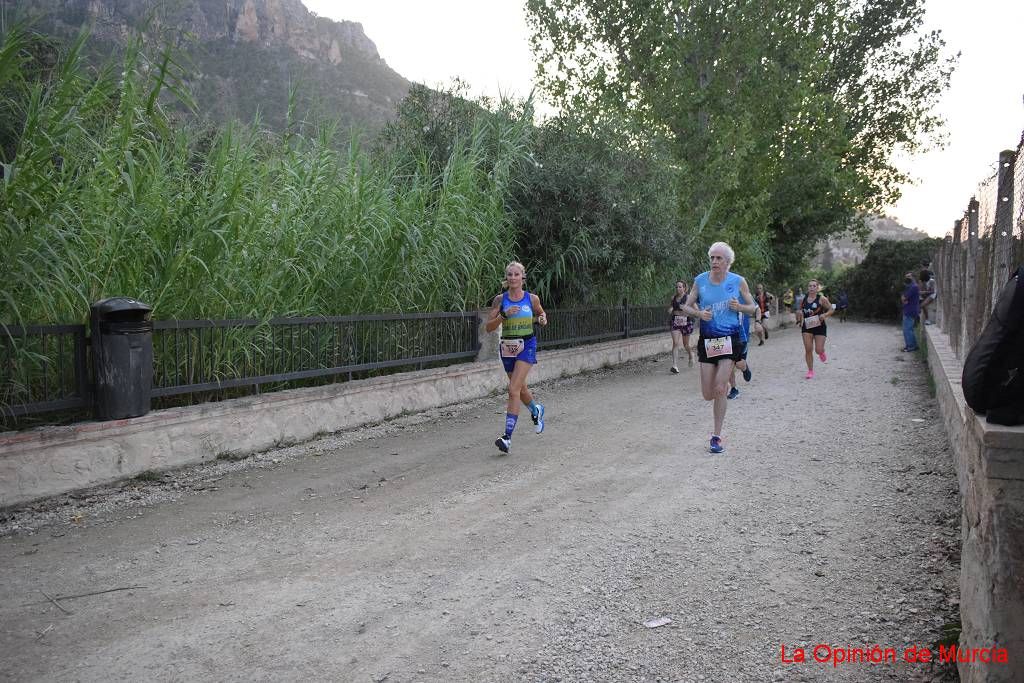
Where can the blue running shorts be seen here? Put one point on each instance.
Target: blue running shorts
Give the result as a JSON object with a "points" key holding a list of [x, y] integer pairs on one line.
{"points": [[512, 350]]}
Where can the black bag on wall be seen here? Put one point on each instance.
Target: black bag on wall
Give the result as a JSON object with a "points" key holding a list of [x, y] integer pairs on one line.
{"points": [[993, 379]]}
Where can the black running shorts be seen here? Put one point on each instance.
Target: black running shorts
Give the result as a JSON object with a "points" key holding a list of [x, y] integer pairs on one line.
{"points": [[738, 348]]}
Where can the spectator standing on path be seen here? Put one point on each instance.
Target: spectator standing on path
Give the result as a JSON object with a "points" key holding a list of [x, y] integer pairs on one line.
{"points": [[911, 300], [926, 264], [682, 327], [719, 298], [842, 305], [929, 291], [515, 311], [813, 312]]}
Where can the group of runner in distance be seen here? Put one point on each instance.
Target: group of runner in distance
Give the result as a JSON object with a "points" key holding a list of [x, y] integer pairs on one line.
{"points": [[719, 299]]}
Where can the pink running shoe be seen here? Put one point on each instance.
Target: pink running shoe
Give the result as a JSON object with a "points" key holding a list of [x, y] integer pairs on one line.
{"points": [[823, 357], [810, 374]]}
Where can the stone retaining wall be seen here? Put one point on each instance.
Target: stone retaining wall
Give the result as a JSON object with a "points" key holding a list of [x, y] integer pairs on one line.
{"points": [[990, 469]]}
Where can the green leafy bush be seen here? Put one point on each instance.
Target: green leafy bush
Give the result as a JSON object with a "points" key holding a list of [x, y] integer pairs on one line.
{"points": [[875, 284], [598, 220]]}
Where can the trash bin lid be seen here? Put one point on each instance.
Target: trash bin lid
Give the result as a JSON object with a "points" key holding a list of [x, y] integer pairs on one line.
{"points": [[119, 304]]}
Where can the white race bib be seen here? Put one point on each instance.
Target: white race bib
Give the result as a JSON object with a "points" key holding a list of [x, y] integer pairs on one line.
{"points": [[719, 346], [510, 348], [812, 321], [679, 320]]}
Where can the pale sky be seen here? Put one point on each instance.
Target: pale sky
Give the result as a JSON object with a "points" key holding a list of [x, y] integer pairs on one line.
{"points": [[486, 44]]}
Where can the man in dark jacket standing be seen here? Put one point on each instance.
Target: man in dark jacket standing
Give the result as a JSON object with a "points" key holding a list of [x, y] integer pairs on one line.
{"points": [[911, 300]]}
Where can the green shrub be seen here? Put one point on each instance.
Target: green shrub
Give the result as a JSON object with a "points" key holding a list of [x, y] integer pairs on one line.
{"points": [[875, 284]]}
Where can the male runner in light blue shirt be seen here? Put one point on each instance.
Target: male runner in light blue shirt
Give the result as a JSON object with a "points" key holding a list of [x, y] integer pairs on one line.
{"points": [[717, 298]]}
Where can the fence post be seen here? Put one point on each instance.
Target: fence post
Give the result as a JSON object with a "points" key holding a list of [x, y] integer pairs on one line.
{"points": [[625, 318], [956, 287], [942, 281], [970, 307], [1002, 234], [950, 300], [487, 342]]}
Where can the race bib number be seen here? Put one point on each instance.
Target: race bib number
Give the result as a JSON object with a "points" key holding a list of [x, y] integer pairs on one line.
{"points": [[719, 346], [679, 320], [510, 348], [811, 322]]}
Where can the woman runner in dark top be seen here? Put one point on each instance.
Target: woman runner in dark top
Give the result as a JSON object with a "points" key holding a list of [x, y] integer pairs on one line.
{"points": [[682, 326], [811, 315], [763, 298]]}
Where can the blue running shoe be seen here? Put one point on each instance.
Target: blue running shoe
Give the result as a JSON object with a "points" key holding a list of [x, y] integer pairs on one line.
{"points": [[504, 443], [747, 374], [538, 418], [716, 444], [733, 393]]}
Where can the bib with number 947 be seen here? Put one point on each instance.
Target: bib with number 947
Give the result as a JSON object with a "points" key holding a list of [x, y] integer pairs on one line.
{"points": [[719, 346]]}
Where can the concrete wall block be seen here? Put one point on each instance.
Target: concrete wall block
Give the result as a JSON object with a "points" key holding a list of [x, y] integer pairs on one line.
{"points": [[975, 591], [990, 470]]}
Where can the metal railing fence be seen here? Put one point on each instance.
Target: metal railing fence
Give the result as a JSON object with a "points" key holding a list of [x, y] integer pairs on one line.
{"points": [[45, 369], [984, 247], [575, 326], [203, 355]]}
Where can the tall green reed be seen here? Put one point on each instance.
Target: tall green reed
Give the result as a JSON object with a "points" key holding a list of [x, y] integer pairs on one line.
{"points": [[110, 193]]}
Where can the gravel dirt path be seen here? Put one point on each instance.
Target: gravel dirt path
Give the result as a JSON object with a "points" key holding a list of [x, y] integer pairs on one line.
{"points": [[413, 551]]}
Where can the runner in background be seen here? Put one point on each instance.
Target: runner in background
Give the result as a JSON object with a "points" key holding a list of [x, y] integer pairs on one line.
{"points": [[814, 310], [760, 327], [682, 327], [515, 311], [787, 306], [719, 297], [764, 300]]}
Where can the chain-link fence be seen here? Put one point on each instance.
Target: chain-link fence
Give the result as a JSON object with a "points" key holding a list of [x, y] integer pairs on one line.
{"points": [[983, 249]]}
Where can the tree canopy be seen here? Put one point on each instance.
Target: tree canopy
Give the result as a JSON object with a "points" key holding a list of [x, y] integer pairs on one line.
{"points": [[780, 116]]}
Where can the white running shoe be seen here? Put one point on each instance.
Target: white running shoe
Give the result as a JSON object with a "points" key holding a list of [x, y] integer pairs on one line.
{"points": [[538, 419]]}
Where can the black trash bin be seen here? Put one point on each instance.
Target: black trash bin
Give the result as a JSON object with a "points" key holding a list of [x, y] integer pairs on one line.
{"points": [[122, 357]]}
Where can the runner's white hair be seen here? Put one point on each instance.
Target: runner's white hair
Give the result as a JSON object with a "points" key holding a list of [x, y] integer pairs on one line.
{"points": [[730, 255]]}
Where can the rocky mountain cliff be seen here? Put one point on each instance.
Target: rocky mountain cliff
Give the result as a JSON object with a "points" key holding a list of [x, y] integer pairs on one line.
{"points": [[246, 54], [845, 250]]}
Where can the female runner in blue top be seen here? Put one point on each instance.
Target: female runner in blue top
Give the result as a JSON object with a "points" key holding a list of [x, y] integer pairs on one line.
{"points": [[715, 298], [515, 311]]}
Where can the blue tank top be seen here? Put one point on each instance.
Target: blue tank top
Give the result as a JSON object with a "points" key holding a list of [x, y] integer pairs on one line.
{"points": [[519, 325], [724, 322]]}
